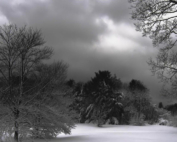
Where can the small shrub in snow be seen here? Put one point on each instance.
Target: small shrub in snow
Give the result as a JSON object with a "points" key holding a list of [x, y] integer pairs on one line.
{"points": [[112, 120], [173, 121], [163, 121], [166, 118]]}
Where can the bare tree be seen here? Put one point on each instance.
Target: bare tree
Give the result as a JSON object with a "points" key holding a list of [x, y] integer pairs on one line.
{"points": [[22, 51], [45, 105], [158, 20]]}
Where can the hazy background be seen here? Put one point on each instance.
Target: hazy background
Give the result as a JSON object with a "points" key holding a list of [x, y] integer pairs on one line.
{"points": [[89, 35]]}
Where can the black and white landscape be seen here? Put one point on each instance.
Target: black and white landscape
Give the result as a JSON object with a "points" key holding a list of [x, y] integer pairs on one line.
{"points": [[95, 70]]}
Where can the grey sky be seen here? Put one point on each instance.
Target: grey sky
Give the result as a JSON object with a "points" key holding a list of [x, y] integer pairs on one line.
{"points": [[89, 35]]}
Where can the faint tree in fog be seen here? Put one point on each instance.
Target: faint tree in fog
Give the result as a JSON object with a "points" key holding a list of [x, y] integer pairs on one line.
{"points": [[137, 100], [160, 105]]}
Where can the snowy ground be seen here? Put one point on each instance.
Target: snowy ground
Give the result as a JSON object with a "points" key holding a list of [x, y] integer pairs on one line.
{"points": [[119, 133]]}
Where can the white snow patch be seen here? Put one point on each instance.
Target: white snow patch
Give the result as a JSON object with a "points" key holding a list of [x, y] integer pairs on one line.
{"points": [[119, 133]]}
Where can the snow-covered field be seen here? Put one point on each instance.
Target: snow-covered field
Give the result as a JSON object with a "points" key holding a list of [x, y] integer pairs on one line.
{"points": [[119, 133]]}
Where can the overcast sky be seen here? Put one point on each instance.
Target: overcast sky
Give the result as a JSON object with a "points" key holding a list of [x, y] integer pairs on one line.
{"points": [[89, 35]]}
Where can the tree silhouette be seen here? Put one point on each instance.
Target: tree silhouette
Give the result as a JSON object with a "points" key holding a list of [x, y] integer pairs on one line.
{"points": [[102, 96]]}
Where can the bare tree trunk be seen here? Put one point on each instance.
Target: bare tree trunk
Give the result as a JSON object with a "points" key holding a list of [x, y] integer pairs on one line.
{"points": [[16, 125], [139, 112], [120, 117], [16, 133], [99, 119]]}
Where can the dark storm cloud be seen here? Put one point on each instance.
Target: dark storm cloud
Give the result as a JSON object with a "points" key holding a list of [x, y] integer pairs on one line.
{"points": [[118, 10], [71, 27]]}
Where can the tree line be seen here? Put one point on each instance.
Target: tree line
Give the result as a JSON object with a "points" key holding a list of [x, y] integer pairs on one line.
{"points": [[106, 99]]}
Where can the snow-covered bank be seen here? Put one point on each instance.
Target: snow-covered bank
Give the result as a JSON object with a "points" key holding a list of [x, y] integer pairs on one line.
{"points": [[119, 133]]}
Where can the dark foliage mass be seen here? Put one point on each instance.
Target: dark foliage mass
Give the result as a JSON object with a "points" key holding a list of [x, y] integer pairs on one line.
{"points": [[99, 99], [136, 85], [105, 99]]}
